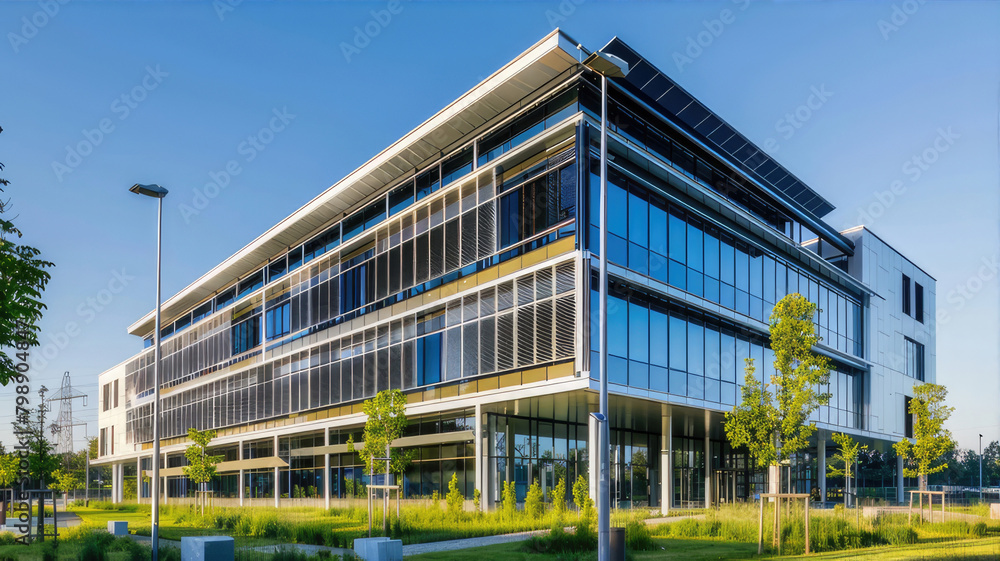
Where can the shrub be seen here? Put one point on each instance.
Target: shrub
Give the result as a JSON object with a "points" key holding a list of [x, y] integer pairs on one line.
{"points": [[559, 541], [581, 494], [978, 529], [533, 501], [509, 499], [455, 498], [559, 496], [476, 498]]}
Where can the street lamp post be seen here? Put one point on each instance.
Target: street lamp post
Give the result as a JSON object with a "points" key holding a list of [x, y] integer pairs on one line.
{"points": [[980, 469], [157, 193], [606, 66]]}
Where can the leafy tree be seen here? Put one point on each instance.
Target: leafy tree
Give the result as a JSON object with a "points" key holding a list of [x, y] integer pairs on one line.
{"points": [[931, 441], [581, 495], [41, 461], [533, 502], [846, 455], [65, 481], [10, 466], [386, 422], [509, 500], [559, 496], [23, 278], [477, 497], [201, 465], [771, 420], [455, 498]]}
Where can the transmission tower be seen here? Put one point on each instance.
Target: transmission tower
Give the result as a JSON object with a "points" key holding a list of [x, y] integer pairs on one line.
{"points": [[63, 427]]}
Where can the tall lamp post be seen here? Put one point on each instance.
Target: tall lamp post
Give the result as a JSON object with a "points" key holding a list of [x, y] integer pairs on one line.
{"points": [[158, 193], [607, 66], [980, 469]]}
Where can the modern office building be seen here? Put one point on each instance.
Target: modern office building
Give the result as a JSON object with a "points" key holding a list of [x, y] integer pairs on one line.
{"points": [[458, 265]]}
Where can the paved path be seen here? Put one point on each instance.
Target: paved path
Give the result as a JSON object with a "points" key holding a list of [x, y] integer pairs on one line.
{"points": [[672, 519], [451, 545]]}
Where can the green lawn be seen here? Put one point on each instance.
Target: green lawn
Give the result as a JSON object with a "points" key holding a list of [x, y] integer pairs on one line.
{"points": [[687, 550], [703, 550]]}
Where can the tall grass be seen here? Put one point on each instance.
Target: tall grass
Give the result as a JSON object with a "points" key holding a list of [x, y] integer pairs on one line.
{"points": [[828, 530]]}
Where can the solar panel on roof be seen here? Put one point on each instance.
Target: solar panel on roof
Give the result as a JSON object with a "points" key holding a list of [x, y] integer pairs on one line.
{"points": [[664, 92]]}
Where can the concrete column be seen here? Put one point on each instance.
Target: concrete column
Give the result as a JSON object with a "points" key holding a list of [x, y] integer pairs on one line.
{"points": [[138, 481], [114, 483], [900, 496], [821, 468], [277, 476], [239, 484], [326, 470], [708, 461], [479, 463], [666, 464]]}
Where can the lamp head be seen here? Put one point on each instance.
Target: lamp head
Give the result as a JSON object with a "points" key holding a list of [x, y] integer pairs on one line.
{"points": [[152, 190]]}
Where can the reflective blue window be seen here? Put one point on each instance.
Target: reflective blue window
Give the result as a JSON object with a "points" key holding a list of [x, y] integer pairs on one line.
{"points": [[401, 197], [251, 283], [696, 387], [659, 337], [742, 269], [428, 182], [677, 239], [678, 382], [638, 258], [727, 261], [225, 299], [713, 358], [638, 332], [694, 248], [277, 268], [638, 211], [678, 274], [659, 379], [429, 359], [617, 370], [617, 326], [456, 166], [294, 259], [711, 255], [696, 349], [756, 274], [658, 228], [678, 343], [617, 209], [638, 374]]}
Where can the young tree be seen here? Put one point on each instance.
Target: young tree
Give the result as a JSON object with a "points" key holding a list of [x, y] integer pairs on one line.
{"points": [[931, 441], [533, 504], [455, 498], [771, 420], [509, 500], [386, 414], [201, 466], [23, 278], [65, 481], [846, 455], [559, 496]]}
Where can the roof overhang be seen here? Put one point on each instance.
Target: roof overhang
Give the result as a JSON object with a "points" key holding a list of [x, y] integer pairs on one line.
{"points": [[435, 137]]}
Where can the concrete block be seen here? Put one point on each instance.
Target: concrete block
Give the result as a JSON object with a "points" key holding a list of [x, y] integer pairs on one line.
{"points": [[118, 527], [378, 549], [208, 548], [995, 511]]}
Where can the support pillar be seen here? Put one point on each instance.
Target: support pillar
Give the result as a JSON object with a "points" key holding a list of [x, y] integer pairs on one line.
{"points": [[899, 480], [239, 455], [326, 470], [666, 464], [277, 477], [114, 483], [138, 482], [708, 461], [479, 464], [821, 468]]}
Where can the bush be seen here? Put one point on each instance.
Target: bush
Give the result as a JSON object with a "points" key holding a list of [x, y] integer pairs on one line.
{"points": [[455, 498], [509, 499], [978, 529], [533, 501], [559, 496], [638, 536], [559, 541]]}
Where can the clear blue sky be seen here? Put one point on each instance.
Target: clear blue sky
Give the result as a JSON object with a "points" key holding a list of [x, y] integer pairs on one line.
{"points": [[198, 85]]}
